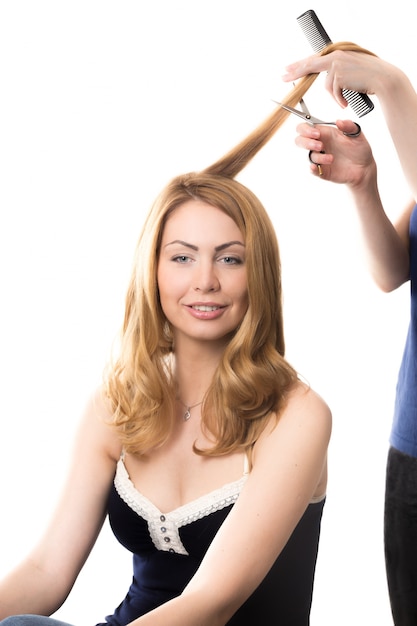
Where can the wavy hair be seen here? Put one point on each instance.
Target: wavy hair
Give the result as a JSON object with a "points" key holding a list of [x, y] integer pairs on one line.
{"points": [[253, 376]]}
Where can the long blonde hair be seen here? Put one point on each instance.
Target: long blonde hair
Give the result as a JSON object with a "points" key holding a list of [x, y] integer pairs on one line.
{"points": [[253, 377]]}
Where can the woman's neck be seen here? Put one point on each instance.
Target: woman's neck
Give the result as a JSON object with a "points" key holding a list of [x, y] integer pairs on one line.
{"points": [[193, 373]]}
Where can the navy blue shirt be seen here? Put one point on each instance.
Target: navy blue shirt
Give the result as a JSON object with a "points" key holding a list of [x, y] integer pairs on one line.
{"points": [[168, 548], [404, 428]]}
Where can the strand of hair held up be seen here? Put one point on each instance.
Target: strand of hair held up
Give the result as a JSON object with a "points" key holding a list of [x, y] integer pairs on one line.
{"points": [[237, 158]]}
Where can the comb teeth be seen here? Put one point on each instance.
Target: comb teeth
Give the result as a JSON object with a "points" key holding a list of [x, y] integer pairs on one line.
{"points": [[313, 30], [359, 102], [319, 39]]}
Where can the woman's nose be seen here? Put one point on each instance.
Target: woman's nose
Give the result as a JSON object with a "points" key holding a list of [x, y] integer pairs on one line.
{"points": [[205, 278]]}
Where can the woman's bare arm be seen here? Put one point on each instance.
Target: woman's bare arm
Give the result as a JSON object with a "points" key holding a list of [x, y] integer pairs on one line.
{"points": [[41, 583]]}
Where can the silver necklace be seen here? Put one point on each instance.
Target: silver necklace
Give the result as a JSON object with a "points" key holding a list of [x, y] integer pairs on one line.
{"points": [[188, 408]]}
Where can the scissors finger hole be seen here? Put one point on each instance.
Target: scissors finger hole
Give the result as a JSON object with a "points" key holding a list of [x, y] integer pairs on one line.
{"points": [[311, 152], [357, 133], [320, 171]]}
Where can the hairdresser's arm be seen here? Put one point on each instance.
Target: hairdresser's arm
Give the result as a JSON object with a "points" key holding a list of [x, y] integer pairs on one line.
{"points": [[289, 462], [349, 161], [41, 583], [370, 74]]}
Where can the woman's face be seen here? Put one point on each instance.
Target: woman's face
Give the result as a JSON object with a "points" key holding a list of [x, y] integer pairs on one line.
{"points": [[202, 272]]}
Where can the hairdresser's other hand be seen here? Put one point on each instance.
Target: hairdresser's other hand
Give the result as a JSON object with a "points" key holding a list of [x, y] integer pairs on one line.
{"points": [[342, 159], [356, 71]]}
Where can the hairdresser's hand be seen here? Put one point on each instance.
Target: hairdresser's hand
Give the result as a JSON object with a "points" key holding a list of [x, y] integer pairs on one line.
{"points": [[366, 73], [356, 71], [342, 159]]}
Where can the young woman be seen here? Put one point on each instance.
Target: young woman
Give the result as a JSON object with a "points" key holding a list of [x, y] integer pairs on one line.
{"points": [[203, 447], [392, 253]]}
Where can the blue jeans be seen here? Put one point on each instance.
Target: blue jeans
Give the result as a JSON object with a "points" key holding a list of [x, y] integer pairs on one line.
{"points": [[32, 620], [401, 536]]}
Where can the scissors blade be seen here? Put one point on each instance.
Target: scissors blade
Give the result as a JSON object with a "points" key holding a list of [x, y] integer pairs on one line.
{"points": [[305, 108], [304, 115]]}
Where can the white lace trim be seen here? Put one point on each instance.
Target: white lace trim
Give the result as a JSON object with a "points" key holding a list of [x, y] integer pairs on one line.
{"points": [[164, 527]]}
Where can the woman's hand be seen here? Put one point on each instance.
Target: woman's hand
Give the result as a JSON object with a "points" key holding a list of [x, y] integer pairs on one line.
{"points": [[335, 156], [357, 71]]}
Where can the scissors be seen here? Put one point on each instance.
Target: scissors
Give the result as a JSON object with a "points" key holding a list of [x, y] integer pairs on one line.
{"points": [[305, 115]]}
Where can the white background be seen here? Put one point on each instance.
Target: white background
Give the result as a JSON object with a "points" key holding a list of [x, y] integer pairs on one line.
{"points": [[102, 102]]}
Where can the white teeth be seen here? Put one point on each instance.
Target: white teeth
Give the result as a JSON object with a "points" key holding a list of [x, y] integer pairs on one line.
{"points": [[205, 308]]}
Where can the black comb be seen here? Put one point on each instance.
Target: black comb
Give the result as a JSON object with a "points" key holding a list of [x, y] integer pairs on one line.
{"points": [[319, 39]]}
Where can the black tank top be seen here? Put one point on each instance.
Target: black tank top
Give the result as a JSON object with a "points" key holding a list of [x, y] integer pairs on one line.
{"points": [[167, 549]]}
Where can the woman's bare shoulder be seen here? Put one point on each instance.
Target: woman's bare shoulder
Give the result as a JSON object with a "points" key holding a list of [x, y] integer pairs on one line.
{"points": [[303, 394], [304, 410], [96, 424]]}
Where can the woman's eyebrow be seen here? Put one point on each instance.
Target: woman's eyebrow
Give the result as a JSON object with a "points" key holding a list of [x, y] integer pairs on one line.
{"points": [[228, 244], [182, 243], [222, 246]]}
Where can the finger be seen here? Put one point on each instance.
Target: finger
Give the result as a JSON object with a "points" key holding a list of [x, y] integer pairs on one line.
{"points": [[349, 128], [321, 166], [315, 168], [319, 157], [335, 90], [308, 130], [310, 65], [309, 144], [317, 138]]}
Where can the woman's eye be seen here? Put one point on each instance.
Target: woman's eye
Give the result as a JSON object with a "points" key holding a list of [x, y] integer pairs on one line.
{"points": [[231, 260], [182, 258]]}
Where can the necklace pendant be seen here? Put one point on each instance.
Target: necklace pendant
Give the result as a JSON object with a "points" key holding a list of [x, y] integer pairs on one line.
{"points": [[186, 415]]}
